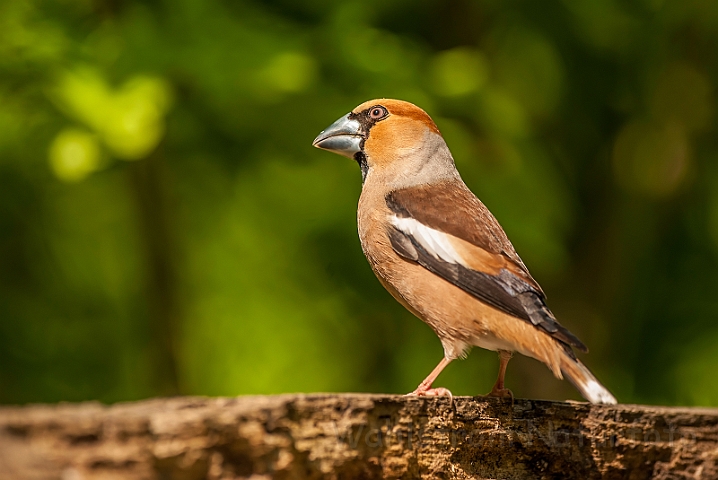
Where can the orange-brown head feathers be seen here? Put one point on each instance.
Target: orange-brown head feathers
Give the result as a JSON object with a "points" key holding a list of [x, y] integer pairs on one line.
{"points": [[399, 108], [394, 128]]}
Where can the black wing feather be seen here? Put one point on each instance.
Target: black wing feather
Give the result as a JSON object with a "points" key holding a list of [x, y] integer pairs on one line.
{"points": [[505, 291]]}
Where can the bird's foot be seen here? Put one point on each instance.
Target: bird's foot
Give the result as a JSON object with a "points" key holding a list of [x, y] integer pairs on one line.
{"points": [[430, 392], [425, 391], [501, 393]]}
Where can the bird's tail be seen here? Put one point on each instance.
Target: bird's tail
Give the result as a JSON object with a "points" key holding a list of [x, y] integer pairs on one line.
{"points": [[584, 381]]}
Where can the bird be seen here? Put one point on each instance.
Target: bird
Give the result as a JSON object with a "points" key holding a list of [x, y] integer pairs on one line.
{"points": [[440, 252]]}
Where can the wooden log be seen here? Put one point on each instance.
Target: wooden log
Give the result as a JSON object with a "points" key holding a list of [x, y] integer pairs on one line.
{"points": [[360, 436]]}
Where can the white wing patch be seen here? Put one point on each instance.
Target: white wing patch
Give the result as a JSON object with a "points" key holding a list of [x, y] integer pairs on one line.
{"points": [[433, 241]]}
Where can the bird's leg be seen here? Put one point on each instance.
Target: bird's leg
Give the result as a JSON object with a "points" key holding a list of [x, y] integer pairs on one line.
{"points": [[499, 390], [424, 388]]}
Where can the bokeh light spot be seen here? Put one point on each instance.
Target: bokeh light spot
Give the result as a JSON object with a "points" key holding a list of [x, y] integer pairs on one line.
{"points": [[651, 159], [130, 120], [137, 125], [459, 71], [290, 72], [74, 154], [501, 112]]}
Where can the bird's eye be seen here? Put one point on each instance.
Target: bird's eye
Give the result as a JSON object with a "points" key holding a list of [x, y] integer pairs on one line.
{"points": [[377, 112]]}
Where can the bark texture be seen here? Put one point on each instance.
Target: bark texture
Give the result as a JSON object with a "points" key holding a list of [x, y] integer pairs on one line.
{"points": [[355, 436]]}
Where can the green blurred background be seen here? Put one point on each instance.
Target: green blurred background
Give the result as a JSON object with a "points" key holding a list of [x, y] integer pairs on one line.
{"points": [[166, 227]]}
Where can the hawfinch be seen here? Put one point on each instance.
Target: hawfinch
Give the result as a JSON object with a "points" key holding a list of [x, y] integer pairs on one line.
{"points": [[440, 252]]}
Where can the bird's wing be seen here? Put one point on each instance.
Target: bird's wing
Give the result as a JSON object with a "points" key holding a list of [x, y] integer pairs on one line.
{"points": [[448, 231]]}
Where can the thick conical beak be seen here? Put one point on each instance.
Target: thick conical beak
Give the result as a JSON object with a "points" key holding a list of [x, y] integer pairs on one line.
{"points": [[342, 137]]}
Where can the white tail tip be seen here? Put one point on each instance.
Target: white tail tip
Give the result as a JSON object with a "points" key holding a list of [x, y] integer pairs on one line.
{"points": [[585, 381], [597, 393]]}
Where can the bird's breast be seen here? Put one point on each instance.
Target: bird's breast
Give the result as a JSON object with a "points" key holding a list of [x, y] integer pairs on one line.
{"points": [[446, 309], [373, 219]]}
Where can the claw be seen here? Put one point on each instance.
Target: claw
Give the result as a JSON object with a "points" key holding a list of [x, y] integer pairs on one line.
{"points": [[431, 392], [422, 391], [501, 393]]}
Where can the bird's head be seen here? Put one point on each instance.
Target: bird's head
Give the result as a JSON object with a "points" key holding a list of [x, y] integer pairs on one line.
{"points": [[391, 137]]}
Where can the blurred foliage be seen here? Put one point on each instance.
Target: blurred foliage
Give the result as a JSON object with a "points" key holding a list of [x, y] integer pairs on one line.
{"points": [[167, 228]]}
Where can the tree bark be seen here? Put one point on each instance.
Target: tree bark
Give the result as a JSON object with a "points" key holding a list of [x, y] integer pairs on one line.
{"points": [[355, 436]]}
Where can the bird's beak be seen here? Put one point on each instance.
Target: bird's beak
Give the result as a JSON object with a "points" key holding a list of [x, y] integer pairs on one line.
{"points": [[342, 137]]}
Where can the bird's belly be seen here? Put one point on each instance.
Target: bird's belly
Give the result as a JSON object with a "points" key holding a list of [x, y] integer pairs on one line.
{"points": [[457, 318]]}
